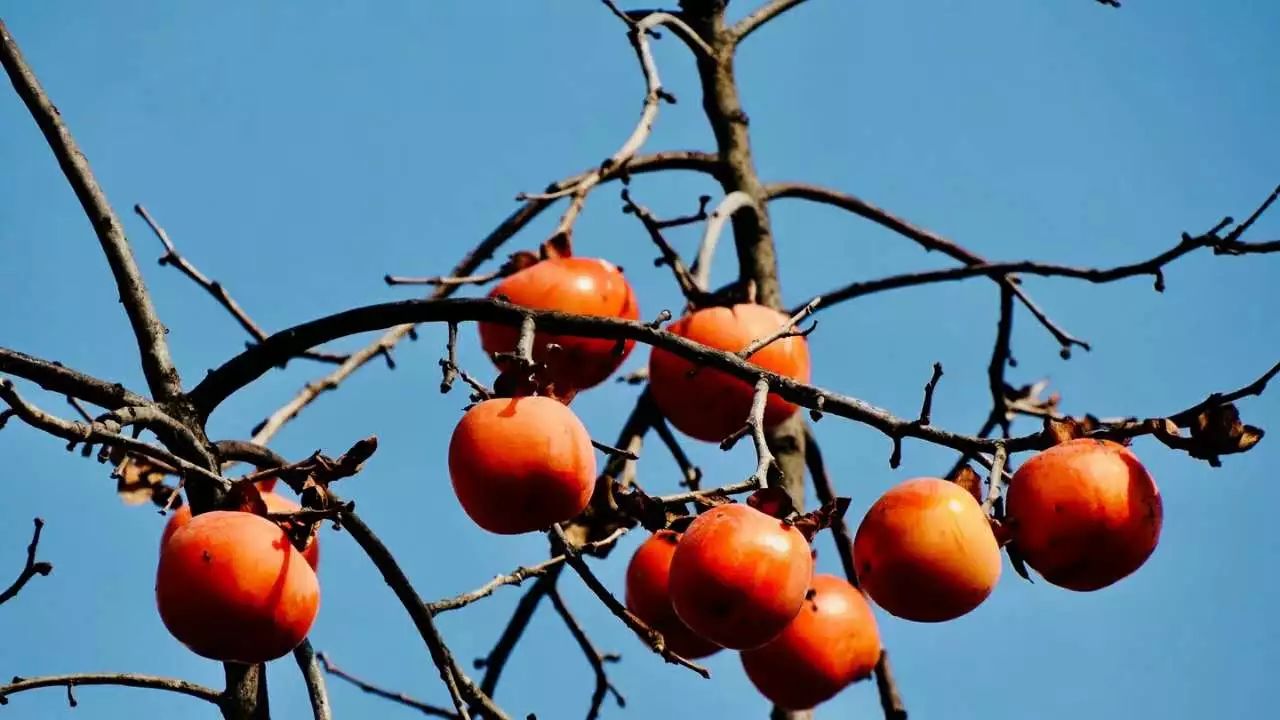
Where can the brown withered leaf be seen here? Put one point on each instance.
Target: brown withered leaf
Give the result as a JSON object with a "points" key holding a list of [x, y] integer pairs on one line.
{"points": [[651, 513], [559, 245], [518, 261], [139, 480], [811, 523], [245, 497], [1059, 431], [969, 480], [772, 501], [1218, 431]]}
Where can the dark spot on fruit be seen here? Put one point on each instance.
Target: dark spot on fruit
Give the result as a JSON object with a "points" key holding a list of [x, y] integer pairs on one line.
{"points": [[204, 554]]}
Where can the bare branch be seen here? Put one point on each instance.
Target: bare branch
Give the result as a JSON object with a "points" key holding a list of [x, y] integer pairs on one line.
{"points": [[692, 474], [175, 259], [78, 432], [31, 569], [638, 626], [438, 280], [890, 698], [759, 18], [596, 659], [306, 658], [755, 428], [926, 407], [688, 286], [731, 204], [517, 576], [671, 160], [126, 679], [996, 481], [496, 660], [449, 369], [791, 328], [429, 710], [57, 378], [157, 366]]}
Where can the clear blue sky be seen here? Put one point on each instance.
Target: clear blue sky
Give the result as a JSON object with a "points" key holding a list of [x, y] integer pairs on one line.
{"points": [[298, 151]]}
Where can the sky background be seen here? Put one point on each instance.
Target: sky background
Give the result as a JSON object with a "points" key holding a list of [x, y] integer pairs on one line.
{"points": [[297, 151]]}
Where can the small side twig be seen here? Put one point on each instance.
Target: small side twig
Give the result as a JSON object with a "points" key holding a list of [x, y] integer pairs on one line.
{"points": [[668, 256], [996, 482], [32, 567], [332, 668], [604, 686], [443, 280], [216, 289], [150, 682], [926, 408], [652, 637], [791, 328], [731, 204], [755, 428], [450, 370], [611, 450]]}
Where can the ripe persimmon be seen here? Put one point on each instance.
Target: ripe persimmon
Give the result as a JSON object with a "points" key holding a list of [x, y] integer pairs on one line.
{"points": [[586, 286], [231, 587], [925, 551], [1085, 514], [521, 464], [649, 595], [710, 405], [738, 576], [275, 504], [832, 643]]}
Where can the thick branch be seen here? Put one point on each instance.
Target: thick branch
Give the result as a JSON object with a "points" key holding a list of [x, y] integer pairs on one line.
{"points": [[150, 682], [157, 366], [306, 658], [57, 378]]}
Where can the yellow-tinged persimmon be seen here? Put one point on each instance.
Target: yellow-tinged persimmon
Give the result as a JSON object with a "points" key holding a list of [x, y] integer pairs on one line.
{"points": [[925, 551]]}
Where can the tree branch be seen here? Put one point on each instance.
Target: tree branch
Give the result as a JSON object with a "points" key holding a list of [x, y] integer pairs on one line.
{"points": [[596, 659], [424, 708], [31, 569], [760, 17], [126, 679], [516, 221], [496, 660], [732, 203], [306, 658], [157, 366], [57, 378], [175, 259]]}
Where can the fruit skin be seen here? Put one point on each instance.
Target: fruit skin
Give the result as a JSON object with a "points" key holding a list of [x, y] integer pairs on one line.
{"points": [[521, 464], [832, 643], [231, 587], [925, 551], [739, 576], [649, 596], [1085, 514], [713, 404], [275, 503], [586, 286]]}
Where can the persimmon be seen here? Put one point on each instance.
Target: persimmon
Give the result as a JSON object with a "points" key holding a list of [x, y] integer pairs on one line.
{"points": [[275, 504], [738, 576], [832, 643], [585, 286], [521, 464], [710, 404], [925, 551], [1085, 514], [231, 587], [649, 595]]}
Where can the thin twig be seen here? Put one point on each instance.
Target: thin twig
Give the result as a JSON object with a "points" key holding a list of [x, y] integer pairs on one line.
{"points": [[448, 280], [759, 18], [996, 482], [30, 569], [688, 286], [652, 637], [55, 377], [755, 428], [611, 450], [890, 697], [430, 710], [496, 661], [692, 473], [926, 407], [450, 370], [791, 328], [517, 576], [216, 289], [596, 659], [150, 682], [731, 204]]}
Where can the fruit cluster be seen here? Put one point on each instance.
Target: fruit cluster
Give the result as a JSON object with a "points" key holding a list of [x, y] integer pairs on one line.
{"points": [[1084, 514]]}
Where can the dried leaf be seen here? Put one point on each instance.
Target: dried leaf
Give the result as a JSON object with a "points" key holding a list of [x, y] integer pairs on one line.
{"points": [[1218, 430], [1019, 565], [1059, 431], [811, 523], [244, 497], [559, 245], [969, 480], [772, 501], [518, 261], [139, 480]]}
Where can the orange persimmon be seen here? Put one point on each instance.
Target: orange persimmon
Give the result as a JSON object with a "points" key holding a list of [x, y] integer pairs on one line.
{"points": [[275, 504], [649, 595]]}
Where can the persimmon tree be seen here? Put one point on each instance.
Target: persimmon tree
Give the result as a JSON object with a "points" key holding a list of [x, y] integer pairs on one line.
{"points": [[731, 365]]}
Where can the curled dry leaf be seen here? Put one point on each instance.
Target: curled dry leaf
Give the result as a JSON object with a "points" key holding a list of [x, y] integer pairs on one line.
{"points": [[140, 480], [1019, 565], [1061, 430], [1218, 431], [968, 479], [245, 497], [811, 523]]}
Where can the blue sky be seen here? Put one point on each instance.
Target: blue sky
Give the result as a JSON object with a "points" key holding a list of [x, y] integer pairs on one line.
{"points": [[298, 151]]}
